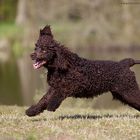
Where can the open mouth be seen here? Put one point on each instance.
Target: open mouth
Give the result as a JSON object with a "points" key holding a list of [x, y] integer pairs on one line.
{"points": [[38, 64]]}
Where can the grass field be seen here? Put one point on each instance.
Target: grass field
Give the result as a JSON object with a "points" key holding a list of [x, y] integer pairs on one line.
{"points": [[70, 124]]}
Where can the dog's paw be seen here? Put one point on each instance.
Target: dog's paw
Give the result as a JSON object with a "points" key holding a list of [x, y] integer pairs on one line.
{"points": [[32, 111]]}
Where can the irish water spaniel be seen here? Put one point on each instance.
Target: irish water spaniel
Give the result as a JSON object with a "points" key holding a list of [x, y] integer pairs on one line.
{"points": [[72, 76]]}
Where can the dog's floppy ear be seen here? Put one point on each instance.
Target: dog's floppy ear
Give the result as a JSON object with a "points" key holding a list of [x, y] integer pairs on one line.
{"points": [[62, 62], [46, 31]]}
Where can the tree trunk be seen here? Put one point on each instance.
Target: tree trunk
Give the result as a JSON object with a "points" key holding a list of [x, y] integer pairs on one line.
{"points": [[21, 12], [128, 28]]}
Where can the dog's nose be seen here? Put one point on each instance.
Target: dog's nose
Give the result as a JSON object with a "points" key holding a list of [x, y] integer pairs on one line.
{"points": [[33, 55]]}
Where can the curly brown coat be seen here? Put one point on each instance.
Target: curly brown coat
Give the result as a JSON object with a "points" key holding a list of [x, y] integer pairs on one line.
{"points": [[72, 76]]}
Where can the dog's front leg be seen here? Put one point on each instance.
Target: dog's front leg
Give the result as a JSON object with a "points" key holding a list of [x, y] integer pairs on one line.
{"points": [[49, 101]]}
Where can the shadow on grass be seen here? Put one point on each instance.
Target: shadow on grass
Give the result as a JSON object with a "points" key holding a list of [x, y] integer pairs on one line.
{"points": [[90, 117], [39, 119], [94, 117]]}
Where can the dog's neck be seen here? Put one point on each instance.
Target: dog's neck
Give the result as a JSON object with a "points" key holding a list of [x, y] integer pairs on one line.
{"points": [[64, 58], [68, 55]]}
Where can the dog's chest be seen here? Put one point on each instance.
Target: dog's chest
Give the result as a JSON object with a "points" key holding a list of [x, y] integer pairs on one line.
{"points": [[53, 78]]}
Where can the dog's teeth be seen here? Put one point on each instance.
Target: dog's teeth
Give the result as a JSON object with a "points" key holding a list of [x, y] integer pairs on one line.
{"points": [[38, 64]]}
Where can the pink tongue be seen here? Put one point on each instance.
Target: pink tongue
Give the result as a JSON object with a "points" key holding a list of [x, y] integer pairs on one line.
{"points": [[38, 64]]}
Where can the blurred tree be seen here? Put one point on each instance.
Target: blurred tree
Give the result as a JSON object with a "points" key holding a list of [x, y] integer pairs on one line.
{"points": [[21, 12], [8, 10], [110, 21]]}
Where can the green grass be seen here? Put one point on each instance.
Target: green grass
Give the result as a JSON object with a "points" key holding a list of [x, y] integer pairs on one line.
{"points": [[70, 124], [9, 30]]}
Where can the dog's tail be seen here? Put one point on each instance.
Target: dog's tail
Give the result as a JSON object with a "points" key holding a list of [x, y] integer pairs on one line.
{"points": [[129, 62]]}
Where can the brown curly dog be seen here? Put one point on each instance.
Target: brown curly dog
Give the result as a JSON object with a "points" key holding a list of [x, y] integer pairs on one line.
{"points": [[72, 76]]}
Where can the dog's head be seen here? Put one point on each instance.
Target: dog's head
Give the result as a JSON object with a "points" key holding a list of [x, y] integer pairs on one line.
{"points": [[44, 48], [49, 52]]}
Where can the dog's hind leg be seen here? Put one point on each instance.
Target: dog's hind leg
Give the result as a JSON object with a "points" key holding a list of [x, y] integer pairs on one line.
{"points": [[130, 97], [50, 101]]}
